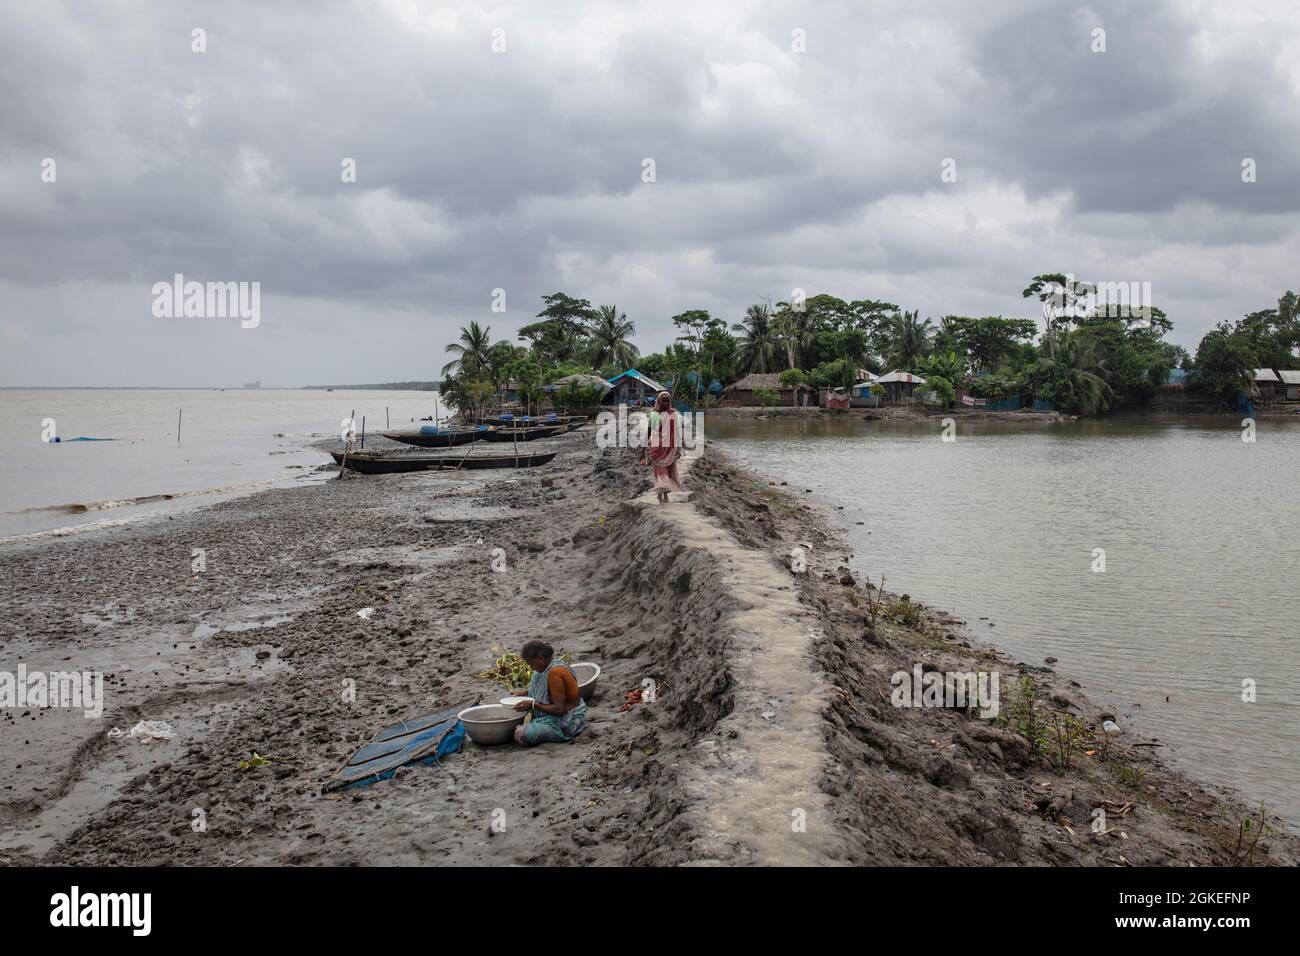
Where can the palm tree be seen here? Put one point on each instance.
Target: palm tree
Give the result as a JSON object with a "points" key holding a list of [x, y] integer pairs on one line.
{"points": [[907, 339], [1068, 367], [756, 347], [471, 350], [609, 339]]}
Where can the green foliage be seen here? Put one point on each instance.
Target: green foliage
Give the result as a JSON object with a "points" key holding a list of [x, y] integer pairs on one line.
{"points": [[905, 340], [842, 373], [1022, 713], [943, 389], [792, 377], [905, 611], [766, 397], [1225, 363], [610, 338], [1088, 364]]}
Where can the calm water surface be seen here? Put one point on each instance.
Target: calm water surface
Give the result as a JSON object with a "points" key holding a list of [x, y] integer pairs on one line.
{"points": [[231, 442], [1201, 533]]}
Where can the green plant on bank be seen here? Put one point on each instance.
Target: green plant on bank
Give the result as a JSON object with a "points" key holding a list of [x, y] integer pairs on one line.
{"points": [[875, 603], [1244, 829], [1133, 776], [1068, 735], [905, 611], [510, 670], [1022, 713], [766, 397]]}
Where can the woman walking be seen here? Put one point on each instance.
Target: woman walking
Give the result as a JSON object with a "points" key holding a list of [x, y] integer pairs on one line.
{"points": [[665, 446]]}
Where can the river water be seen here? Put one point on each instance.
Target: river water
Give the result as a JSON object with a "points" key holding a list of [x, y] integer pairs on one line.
{"points": [[231, 442], [1201, 538]]}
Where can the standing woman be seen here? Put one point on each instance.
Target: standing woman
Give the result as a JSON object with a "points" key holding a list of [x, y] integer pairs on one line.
{"points": [[665, 446]]}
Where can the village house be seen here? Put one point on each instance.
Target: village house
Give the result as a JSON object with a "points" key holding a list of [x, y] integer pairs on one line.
{"points": [[745, 392], [631, 386], [1290, 384], [1268, 387]]}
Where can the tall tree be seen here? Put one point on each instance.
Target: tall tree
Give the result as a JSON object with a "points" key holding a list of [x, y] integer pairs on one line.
{"points": [[609, 337], [1061, 297], [756, 342], [561, 334], [907, 339], [471, 350]]}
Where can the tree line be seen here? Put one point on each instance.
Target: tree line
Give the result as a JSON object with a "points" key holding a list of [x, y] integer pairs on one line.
{"points": [[1086, 356]]}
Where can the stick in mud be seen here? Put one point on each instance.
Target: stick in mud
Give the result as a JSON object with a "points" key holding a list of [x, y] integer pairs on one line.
{"points": [[347, 447]]}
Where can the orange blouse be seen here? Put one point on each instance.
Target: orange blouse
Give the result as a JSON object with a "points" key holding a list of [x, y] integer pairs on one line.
{"points": [[562, 687]]}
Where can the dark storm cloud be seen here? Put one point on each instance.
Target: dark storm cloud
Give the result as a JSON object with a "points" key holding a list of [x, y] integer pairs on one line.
{"points": [[522, 169]]}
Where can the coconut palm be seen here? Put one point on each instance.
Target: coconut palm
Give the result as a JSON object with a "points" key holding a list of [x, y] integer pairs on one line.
{"points": [[907, 339], [471, 350], [1067, 370], [756, 345], [794, 332], [945, 365], [609, 339]]}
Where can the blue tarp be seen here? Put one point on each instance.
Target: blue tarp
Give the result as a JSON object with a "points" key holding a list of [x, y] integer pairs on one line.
{"points": [[423, 740]]}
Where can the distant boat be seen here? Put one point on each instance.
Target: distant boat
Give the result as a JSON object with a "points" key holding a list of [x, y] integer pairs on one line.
{"points": [[257, 384], [381, 463], [329, 389]]}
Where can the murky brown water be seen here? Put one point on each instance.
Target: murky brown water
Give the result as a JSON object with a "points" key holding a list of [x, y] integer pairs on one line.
{"points": [[1201, 533]]}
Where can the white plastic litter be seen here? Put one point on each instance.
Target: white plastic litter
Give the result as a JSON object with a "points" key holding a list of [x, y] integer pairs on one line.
{"points": [[152, 730], [1110, 727], [365, 612]]}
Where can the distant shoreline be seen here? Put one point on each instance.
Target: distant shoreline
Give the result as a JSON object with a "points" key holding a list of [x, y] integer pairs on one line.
{"points": [[387, 386]]}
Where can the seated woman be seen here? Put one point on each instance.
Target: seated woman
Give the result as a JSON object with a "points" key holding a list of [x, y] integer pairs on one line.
{"points": [[558, 711]]}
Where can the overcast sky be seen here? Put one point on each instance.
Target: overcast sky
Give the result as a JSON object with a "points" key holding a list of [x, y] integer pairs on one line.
{"points": [[775, 168]]}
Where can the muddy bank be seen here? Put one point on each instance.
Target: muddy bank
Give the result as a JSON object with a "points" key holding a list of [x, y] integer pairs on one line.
{"points": [[938, 785], [771, 739]]}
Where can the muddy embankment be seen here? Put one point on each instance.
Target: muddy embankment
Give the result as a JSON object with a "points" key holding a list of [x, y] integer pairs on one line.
{"points": [[936, 785], [771, 738]]}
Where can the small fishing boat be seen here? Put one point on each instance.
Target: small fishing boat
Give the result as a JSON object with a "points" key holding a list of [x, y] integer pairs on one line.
{"points": [[445, 438], [525, 434], [392, 463], [532, 421]]}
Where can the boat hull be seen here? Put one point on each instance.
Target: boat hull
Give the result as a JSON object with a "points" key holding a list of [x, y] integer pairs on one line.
{"points": [[372, 463], [440, 440]]}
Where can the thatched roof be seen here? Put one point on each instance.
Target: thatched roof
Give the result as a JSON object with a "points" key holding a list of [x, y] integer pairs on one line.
{"points": [[757, 380]]}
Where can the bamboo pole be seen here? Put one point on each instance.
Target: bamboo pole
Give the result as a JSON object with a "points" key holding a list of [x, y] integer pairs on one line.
{"points": [[363, 431], [347, 447], [178, 425]]}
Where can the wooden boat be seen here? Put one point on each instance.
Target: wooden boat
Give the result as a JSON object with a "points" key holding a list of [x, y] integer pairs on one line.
{"points": [[443, 439], [525, 434], [390, 463], [534, 421]]}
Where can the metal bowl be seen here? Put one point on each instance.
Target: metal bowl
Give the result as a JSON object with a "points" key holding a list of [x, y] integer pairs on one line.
{"points": [[588, 675], [489, 724]]}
